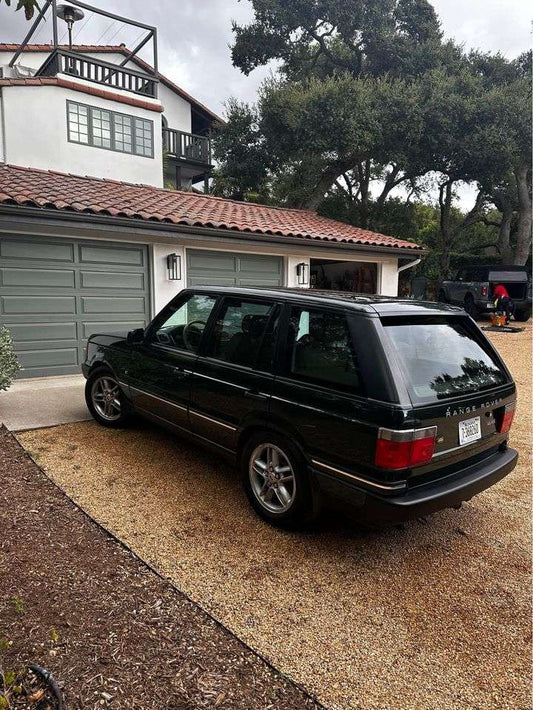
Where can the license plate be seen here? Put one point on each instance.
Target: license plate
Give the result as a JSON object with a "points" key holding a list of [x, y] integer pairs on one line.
{"points": [[469, 430]]}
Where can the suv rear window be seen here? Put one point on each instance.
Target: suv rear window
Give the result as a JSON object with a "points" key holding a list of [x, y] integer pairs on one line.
{"points": [[442, 357], [516, 276]]}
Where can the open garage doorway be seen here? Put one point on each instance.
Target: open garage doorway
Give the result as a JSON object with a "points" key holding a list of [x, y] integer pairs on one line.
{"points": [[357, 276]]}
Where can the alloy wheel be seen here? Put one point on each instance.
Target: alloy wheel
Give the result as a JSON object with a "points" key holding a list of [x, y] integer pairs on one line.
{"points": [[105, 396], [272, 478]]}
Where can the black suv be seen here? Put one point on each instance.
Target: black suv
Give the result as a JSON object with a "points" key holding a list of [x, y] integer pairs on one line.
{"points": [[393, 408]]}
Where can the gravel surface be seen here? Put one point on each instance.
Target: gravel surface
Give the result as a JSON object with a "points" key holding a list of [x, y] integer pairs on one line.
{"points": [[111, 632], [435, 615]]}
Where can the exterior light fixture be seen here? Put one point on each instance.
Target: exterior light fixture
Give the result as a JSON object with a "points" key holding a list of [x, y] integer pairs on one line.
{"points": [[70, 15], [302, 273], [174, 267]]}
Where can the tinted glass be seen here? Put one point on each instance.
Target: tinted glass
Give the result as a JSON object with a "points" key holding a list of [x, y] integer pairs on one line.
{"points": [[321, 349], [515, 276], [181, 325], [239, 331], [267, 350], [442, 358]]}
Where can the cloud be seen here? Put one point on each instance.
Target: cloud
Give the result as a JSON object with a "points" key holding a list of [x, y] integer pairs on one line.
{"points": [[194, 37]]}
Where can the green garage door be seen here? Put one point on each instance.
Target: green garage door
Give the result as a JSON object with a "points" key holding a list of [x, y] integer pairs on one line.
{"points": [[219, 268], [55, 293]]}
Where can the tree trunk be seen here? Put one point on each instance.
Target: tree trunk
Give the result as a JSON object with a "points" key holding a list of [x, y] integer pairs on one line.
{"points": [[364, 170], [504, 237], [445, 205], [326, 180], [523, 231]]}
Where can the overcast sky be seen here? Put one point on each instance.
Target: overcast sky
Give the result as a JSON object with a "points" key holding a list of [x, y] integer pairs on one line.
{"points": [[194, 36]]}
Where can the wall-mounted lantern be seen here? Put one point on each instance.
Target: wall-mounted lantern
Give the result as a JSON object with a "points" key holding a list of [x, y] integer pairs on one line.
{"points": [[174, 267], [302, 273]]}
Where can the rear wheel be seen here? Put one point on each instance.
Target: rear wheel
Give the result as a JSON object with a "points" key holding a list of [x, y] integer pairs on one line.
{"points": [[470, 307], [522, 315], [276, 480], [105, 400]]}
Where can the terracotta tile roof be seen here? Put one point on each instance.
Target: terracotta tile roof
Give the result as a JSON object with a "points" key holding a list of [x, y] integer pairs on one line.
{"points": [[120, 49], [66, 192]]}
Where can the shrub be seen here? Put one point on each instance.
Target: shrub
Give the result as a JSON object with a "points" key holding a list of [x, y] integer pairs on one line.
{"points": [[9, 365]]}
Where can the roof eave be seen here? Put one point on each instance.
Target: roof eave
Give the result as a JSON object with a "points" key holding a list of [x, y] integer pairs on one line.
{"points": [[155, 227]]}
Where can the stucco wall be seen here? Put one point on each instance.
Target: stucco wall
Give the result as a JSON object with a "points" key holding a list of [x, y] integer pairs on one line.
{"points": [[35, 123], [163, 289]]}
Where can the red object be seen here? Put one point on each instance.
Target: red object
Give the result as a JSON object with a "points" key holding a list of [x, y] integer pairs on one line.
{"points": [[505, 418], [51, 190], [500, 291], [399, 449]]}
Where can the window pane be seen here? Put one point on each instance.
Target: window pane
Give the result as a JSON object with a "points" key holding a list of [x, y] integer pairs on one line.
{"points": [[265, 359], [442, 358], [122, 133], [77, 123], [143, 137], [322, 349], [182, 326], [101, 121], [239, 331]]}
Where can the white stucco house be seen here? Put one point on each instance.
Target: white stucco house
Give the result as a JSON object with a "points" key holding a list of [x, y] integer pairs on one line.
{"points": [[91, 238]]}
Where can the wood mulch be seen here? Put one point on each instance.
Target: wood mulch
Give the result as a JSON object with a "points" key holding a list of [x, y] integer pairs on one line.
{"points": [[112, 633]]}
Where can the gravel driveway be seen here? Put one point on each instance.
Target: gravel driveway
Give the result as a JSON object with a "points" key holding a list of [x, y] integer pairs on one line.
{"points": [[432, 616]]}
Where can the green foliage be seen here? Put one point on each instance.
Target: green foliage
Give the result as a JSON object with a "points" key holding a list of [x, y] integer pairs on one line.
{"points": [[9, 365], [18, 603], [29, 7], [397, 37]]}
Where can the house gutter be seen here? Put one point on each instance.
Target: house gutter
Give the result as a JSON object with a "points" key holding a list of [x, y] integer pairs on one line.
{"points": [[22, 214]]}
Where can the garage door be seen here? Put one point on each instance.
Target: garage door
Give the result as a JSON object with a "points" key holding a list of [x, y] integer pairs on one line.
{"points": [[55, 293], [218, 268]]}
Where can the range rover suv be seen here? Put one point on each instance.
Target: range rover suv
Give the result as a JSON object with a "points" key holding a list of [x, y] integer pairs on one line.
{"points": [[473, 288], [392, 409]]}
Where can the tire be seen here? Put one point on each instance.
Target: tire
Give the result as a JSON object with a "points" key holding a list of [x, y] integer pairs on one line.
{"points": [[442, 297], [470, 307], [296, 505], [98, 390], [522, 315]]}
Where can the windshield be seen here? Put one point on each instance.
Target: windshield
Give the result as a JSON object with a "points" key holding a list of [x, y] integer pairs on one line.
{"points": [[442, 357]]}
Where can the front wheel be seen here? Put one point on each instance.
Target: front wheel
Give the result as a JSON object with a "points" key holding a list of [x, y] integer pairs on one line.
{"points": [[522, 315], [276, 481], [105, 400]]}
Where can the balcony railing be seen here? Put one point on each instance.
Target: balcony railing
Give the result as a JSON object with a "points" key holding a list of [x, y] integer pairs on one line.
{"points": [[187, 146], [61, 61]]}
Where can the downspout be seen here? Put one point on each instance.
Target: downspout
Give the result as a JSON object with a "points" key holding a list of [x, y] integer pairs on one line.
{"points": [[409, 265], [3, 155]]}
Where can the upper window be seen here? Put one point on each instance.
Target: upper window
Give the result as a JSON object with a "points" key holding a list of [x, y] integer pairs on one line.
{"points": [[111, 130], [181, 325], [321, 349], [240, 331]]}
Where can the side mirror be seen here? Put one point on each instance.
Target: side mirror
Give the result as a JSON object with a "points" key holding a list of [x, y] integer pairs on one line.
{"points": [[135, 337]]}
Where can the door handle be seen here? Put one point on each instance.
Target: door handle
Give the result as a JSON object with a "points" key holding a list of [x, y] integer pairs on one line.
{"points": [[254, 394]]}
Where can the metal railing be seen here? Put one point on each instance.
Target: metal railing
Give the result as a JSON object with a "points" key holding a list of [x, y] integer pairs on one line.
{"points": [[187, 146], [113, 76]]}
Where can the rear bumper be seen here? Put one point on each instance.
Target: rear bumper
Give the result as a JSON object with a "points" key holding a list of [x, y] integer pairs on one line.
{"points": [[420, 501]]}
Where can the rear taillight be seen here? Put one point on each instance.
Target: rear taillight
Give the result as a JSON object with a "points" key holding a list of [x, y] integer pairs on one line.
{"points": [[504, 418], [484, 290], [404, 449]]}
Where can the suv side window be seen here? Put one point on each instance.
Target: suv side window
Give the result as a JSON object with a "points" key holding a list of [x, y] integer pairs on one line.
{"points": [[239, 331], [182, 323], [321, 350]]}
